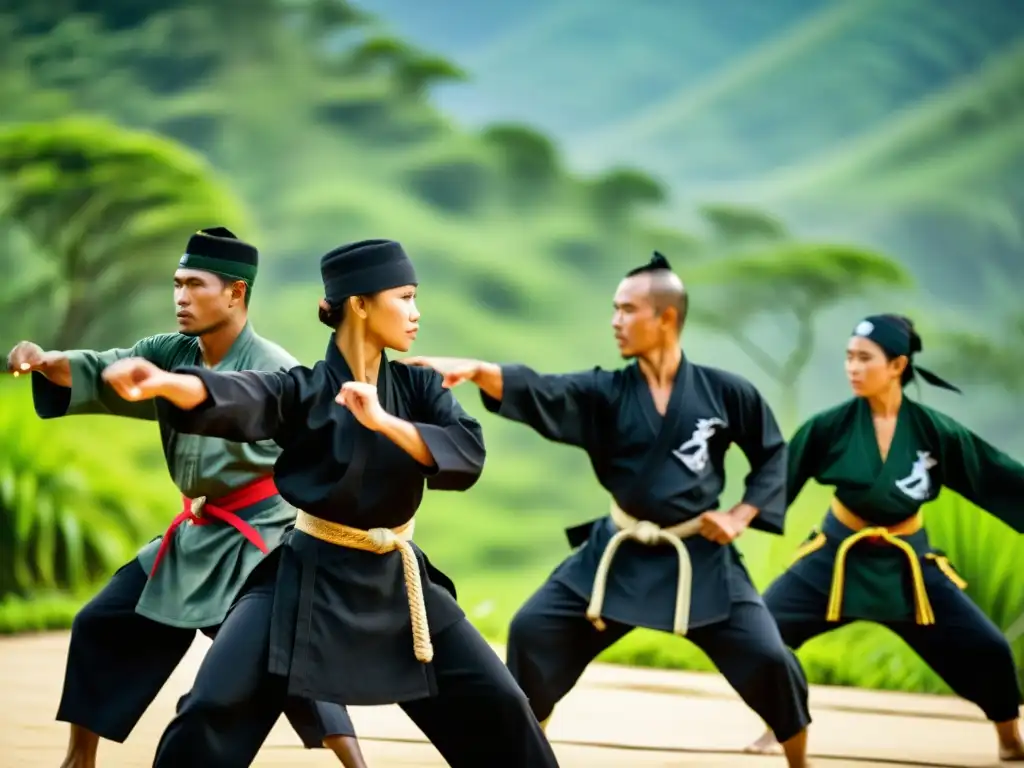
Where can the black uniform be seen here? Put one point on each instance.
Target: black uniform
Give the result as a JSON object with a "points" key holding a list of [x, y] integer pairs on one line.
{"points": [[665, 470], [336, 620], [127, 641]]}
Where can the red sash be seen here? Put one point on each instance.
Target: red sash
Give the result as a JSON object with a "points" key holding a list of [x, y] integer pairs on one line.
{"points": [[203, 512]]}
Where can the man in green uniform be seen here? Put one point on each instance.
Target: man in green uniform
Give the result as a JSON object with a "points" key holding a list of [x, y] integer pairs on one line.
{"points": [[127, 641]]}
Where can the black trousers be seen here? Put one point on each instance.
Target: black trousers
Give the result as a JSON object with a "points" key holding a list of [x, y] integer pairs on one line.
{"points": [[964, 647], [551, 642], [118, 661], [479, 718]]}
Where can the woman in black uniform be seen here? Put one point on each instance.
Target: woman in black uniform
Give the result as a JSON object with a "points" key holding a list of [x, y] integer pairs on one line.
{"points": [[356, 613]]}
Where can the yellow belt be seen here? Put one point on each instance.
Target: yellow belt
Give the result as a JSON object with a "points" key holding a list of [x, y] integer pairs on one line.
{"points": [[381, 541], [650, 534], [891, 535]]}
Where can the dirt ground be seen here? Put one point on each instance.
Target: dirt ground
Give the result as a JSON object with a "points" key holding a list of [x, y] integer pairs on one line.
{"points": [[617, 716]]}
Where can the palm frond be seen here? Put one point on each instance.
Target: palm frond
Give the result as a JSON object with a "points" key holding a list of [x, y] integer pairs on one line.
{"points": [[65, 514]]}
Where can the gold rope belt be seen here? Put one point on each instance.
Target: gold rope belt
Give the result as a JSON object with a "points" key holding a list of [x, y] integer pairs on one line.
{"points": [[649, 534], [923, 612], [381, 541]]}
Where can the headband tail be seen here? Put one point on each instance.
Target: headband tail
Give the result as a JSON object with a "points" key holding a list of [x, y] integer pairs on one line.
{"points": [[935, 381]]}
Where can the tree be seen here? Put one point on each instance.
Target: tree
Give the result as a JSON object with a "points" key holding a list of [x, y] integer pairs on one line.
{"points": [[452, 179], [412, 70], [110, 210], [734, 224], [796, 279], [617, 194], [972, 357], [529, 158]]}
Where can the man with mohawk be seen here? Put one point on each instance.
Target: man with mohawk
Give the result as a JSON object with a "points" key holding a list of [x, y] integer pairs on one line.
{"points": [[656, 433]]}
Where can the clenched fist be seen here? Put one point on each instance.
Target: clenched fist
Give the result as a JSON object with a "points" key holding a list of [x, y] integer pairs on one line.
{"points": [[25, 358], [455, 370], [135, 378], [361, 398]]}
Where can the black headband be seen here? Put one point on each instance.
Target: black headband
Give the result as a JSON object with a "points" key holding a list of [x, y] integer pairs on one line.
{"points": [[897, 337]]}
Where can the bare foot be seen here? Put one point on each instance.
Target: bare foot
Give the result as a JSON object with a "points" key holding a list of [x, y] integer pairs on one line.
{"points": [[766, 745], [1011, 748], [1011, 753]]}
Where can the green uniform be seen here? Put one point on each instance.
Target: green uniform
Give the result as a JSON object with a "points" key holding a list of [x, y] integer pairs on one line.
{"points": [[899, 581], [192, 588], [929, 451], [128, 639]]}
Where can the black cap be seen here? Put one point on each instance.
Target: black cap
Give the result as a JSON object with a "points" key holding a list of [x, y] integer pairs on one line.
{"points": [[365, 268]]}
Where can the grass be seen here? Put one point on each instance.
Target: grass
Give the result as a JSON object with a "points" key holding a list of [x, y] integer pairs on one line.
{"points": [[39, 613]]}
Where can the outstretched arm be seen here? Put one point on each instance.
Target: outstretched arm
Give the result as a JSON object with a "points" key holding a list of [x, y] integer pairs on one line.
{"points": [[983, 474], [244, 406], [561, 407], [70, 383]]}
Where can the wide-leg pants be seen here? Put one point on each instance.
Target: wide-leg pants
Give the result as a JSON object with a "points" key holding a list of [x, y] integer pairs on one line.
{"points": [[119, 660]]}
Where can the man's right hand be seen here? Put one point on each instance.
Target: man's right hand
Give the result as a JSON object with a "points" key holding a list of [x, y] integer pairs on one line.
{"points": [[455, 370], [27, 357]]}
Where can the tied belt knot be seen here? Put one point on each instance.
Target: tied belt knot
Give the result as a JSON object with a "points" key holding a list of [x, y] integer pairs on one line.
{"points": [[382, 541], [649, 534], [877, 534], [202, 511]]}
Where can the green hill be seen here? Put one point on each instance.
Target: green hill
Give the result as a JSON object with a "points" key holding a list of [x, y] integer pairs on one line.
{"points": [[895, 124], [326, 130]]}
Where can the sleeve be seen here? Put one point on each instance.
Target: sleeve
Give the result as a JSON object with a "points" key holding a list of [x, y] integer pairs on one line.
{"points": [[983, 474], [241, 406], [455, 439], [560, 407], [88, 393], [761, 441], [803, 454]]}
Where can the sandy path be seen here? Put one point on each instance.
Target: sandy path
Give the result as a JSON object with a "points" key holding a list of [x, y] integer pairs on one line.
{"points": [[622, 717]]}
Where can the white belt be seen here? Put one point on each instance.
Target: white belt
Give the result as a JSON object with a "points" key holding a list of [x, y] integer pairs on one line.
{"points": [[650, 534]]}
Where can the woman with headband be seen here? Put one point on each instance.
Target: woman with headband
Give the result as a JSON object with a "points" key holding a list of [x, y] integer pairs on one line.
{"points": [[887, 455]]}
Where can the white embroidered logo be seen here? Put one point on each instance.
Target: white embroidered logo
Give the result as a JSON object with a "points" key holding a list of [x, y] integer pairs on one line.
{"points": [[864, 328], [694, 452], [918, 484]]}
